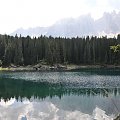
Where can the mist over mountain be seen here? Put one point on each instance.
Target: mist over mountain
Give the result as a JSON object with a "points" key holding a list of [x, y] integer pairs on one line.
{"points": [[37, 31], [81, 26]]}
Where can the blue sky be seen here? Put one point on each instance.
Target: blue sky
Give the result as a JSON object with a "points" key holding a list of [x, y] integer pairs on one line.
{"points": [[15, 14]]}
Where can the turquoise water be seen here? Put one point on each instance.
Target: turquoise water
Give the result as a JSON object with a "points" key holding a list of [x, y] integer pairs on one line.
{"points": [[85, 94]]}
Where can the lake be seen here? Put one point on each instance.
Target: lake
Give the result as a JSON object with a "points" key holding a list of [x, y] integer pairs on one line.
{"points": [[85, 94]]}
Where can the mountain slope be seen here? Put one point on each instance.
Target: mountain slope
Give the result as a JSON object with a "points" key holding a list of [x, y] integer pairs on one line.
{"points": [[81, 26]]}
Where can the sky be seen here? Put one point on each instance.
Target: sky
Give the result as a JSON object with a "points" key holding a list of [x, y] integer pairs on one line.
{"points": [[16, 14]]}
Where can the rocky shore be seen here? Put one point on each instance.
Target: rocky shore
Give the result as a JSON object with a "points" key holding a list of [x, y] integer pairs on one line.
{"points": [[55, 67]]}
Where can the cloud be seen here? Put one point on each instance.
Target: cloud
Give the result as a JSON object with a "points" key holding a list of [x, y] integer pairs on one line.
{"points": [[46, 111], [32, 13], [115, 4]]}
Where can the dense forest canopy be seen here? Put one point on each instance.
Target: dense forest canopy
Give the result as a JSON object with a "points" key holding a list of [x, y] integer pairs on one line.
{"points": [[86, 50]]}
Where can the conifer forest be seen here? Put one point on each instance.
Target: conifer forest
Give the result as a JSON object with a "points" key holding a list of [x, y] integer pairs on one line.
{"points": [[90, 50]]}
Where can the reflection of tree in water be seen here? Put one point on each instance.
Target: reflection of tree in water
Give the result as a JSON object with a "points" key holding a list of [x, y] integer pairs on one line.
{"points": [[21, 89]]}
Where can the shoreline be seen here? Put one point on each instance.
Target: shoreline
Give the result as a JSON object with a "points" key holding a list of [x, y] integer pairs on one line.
{"points": [[56, 68]]}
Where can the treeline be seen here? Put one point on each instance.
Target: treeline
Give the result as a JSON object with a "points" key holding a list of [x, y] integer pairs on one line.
{"points": [[28, 51]]}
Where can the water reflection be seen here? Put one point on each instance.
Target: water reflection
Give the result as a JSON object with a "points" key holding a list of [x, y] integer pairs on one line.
{"points": [[59, 96], [44, 110], [100, 71], [68, 108], [21, 88]]}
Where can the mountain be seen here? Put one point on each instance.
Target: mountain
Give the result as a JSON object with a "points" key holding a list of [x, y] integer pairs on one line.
{"points": [[37, 31], [84, 25], [109, 23]]}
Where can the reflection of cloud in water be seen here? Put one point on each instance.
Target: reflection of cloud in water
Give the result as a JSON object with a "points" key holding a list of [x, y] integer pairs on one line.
{"points": [[45, 110], [7, 103]]}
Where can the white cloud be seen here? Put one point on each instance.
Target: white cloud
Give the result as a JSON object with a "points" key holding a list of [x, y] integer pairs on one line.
{"points": [[45, 110], [30, 13]]}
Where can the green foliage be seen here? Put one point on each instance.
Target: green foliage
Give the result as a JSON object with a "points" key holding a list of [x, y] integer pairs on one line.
{"points": [[27, 51], [115, 48]]}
